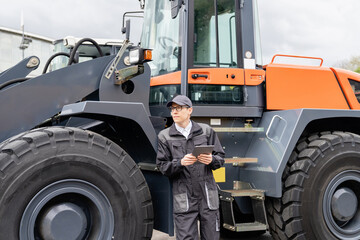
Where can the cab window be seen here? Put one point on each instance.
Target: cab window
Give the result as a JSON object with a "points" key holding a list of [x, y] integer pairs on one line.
{"points": [[206, 38]]}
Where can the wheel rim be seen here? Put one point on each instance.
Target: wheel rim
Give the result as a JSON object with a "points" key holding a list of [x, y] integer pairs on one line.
{"points": [[68, 209], [340, 205]]}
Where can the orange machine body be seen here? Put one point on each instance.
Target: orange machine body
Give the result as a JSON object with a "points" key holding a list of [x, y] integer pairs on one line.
{"points": [[293, 86], [217, 76], [350, 84], [296, 86], [288, 86]]}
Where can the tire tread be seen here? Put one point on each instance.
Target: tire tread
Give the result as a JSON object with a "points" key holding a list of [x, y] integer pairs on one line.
{"points": [[13, 150], [285, 220]]}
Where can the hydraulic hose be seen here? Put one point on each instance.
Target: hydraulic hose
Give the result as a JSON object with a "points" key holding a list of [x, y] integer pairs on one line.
{"points": [[73, 52], [52, 57], [13, 81]]}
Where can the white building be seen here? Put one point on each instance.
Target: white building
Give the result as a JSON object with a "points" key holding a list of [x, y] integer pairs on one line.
{"points": [[11, 54]]}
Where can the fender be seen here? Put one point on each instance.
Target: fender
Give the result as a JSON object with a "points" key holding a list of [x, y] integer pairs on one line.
{"points": [[162, 196], [273, 147], [132, 111]]}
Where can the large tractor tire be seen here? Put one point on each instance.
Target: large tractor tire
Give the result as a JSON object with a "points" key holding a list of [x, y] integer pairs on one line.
{"points": [[321, 190], [66, 183]]}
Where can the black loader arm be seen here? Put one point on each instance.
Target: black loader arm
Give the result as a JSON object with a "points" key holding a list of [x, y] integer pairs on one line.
{"points": [[20, 70], [28, 104]]}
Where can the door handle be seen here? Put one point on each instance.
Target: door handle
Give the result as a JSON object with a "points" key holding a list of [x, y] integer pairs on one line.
{"points": [[195, 76]]}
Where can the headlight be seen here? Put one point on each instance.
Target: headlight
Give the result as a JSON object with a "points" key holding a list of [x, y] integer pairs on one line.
{"points": [[139, 55]]}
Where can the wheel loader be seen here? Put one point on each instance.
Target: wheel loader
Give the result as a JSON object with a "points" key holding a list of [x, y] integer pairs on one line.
{"points": [[78, 144]]}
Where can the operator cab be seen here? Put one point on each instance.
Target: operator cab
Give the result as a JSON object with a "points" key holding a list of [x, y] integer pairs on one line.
{"points": [[209, 51], [203, 54]]}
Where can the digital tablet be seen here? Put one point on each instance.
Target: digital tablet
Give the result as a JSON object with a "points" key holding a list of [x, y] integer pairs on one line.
{"points": [[202, 149]]}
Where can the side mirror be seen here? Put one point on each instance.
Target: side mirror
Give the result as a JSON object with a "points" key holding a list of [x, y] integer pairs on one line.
{"points": [[126, 24], [175, 7]]}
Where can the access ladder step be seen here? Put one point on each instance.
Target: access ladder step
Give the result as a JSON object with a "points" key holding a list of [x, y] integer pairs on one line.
{"points": [[246, 227], [234, 222], [253, 193], [240, 161], [238, 129]]}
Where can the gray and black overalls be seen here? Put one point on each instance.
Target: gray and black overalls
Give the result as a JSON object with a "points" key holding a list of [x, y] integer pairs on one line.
{"points": [[195, 194]]}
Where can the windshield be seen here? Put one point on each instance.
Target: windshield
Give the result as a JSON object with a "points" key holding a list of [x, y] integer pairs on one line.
{"points": [[161, 33]]}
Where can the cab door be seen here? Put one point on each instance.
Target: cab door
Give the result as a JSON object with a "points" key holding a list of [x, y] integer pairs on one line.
{"points": [[221, 54]]}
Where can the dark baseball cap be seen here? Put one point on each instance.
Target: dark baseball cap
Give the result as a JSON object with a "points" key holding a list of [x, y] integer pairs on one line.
{"points": [[180, 100]]}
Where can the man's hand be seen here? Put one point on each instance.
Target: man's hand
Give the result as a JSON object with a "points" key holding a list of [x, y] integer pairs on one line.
{"points": [[205, 158], [188, 159]]}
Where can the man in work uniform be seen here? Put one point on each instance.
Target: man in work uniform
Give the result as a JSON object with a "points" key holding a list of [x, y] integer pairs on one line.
{"points": [[195, 194]]}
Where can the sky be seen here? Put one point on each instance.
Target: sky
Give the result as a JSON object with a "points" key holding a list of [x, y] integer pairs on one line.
{"points": [[317, 28]]}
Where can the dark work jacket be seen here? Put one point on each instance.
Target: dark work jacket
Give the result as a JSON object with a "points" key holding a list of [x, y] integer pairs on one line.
{"points": [[194, 182]]}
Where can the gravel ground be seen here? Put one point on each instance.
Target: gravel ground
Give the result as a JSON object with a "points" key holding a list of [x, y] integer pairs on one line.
{"points": [[162, 236]]}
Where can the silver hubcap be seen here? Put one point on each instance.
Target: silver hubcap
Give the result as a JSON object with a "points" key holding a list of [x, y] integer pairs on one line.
{"points": [[340, 205], [344, 204], [69, 209], [65, 220]]}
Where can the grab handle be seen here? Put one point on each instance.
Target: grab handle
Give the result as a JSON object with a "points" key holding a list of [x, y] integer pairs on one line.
{"points": [[271, 125], [293, 56]]}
